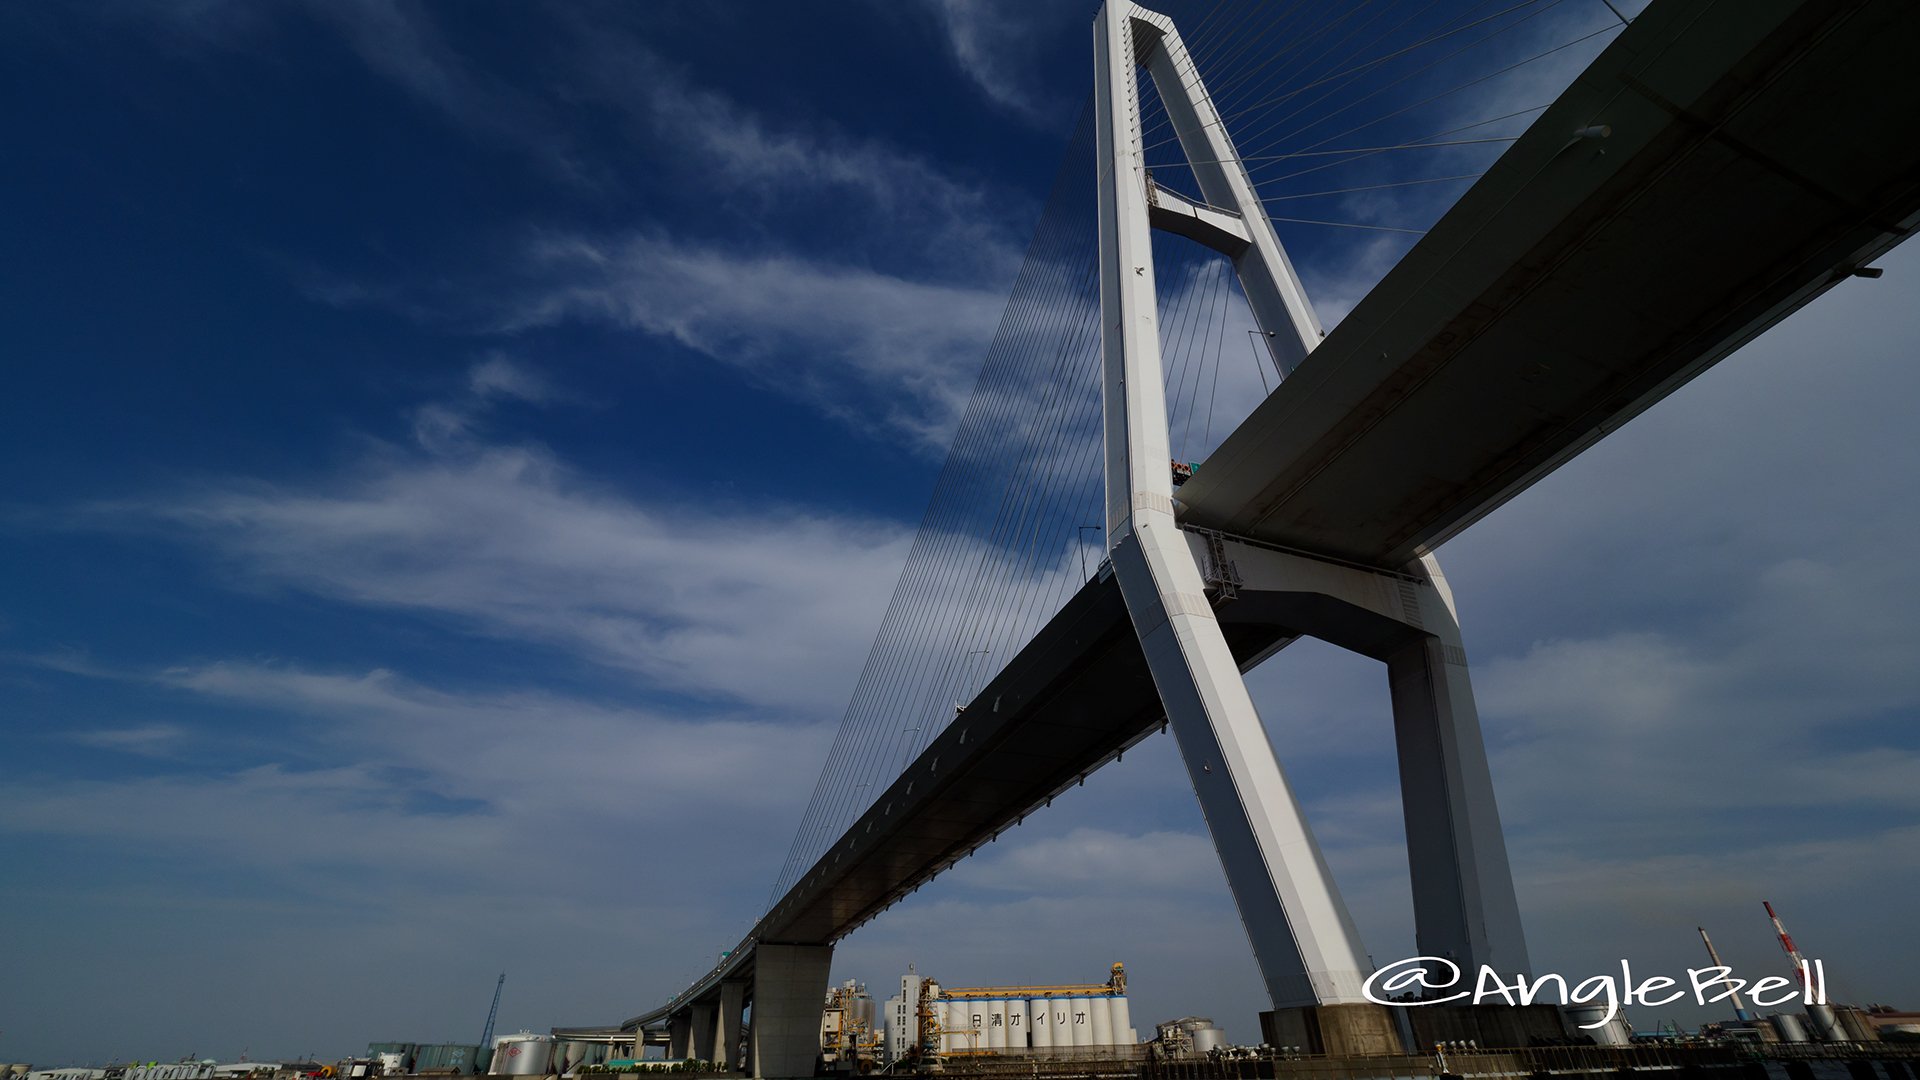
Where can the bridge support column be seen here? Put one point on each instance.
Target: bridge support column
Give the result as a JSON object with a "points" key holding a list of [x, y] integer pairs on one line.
{"points": [[726, 1023], [1463, 902], [789, 988], [679, 1027], [1464, 906], [702, 1025]]}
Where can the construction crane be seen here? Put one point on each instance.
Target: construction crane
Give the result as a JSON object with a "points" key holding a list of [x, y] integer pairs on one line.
{"points": [[1813, 985], [1739, 1010], [1800, 966], [486, 1037]]}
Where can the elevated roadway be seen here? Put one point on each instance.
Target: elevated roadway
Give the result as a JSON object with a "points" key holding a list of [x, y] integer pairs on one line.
{"points": [[1719, 166]]}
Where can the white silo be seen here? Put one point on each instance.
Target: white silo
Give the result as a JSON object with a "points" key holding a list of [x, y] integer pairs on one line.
{"points": [[968, 1035], [994, 1020], [1040, 1021], [1018, 1025], [1081, 1017], [1100, 1019], [951, 1026], [1122, 1020]]}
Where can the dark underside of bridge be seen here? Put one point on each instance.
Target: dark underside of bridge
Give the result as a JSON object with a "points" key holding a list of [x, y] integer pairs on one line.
{"points": [[1075, 698], [1759, 153]]}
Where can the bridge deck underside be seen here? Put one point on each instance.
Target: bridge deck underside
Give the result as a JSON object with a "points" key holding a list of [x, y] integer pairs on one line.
{"points": [[1075, 697], [1752, 152], [1078, 695]]}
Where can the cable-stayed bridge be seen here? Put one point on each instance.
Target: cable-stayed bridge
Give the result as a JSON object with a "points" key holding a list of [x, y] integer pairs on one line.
{"points": [[1719, 165]]}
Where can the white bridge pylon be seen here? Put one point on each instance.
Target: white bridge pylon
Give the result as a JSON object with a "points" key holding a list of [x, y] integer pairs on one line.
{"points": [[1303, 937]]}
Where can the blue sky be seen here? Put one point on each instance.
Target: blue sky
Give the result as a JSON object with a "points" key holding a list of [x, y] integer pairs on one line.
{"points": [[461, 455]]}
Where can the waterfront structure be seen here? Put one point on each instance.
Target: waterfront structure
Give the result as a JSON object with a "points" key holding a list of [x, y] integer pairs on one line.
{"points": [[1707, 175]]}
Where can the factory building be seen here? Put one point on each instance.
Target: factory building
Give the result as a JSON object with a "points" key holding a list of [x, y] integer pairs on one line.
{"points": [[927, 1019]]}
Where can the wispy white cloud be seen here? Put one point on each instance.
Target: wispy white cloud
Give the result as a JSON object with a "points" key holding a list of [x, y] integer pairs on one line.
{"points": [[999, 45], [407, 820], [772, 607], [870, 348], [903, 201], [151, 740], [1089, 860]]}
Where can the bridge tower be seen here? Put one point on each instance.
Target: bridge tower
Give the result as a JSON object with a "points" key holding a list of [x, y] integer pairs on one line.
{"points": [[1308, 948]]}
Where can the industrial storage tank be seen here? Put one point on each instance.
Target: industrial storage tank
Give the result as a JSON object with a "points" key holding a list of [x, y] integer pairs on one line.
{"points": [[1208, 1038], [525, 1054], [441, 1057], [1019, 1027], [1100, 1019], [1080, 1019], [1826, 1026], [1612, 1033], [1040, 1022], [1789, 1027], [1122, 1020], [994, 1019], [959, 1024], [570, 1055]]}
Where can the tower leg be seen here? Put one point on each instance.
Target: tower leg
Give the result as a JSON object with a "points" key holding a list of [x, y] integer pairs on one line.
{"points": [[1306, 943], [1464, 906]]}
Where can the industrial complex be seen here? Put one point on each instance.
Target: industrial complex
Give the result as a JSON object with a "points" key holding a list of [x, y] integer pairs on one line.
{"points": [[1063, 1030]]}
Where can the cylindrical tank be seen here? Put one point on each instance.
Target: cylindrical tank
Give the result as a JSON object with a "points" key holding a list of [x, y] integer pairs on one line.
{"points": [[1612, 1033], [1122, 1020], [863, 1009], [1789, 1027], [1040, 1020], [994, 1024], [1208, 1038], [525, 1054], [1100, 1019], [960, 1024], [1081, 1018], [1019, 1025], [570, 1055], [1826, 1025]]}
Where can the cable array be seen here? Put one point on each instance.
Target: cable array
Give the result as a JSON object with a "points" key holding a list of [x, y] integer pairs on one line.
{"points": [[1342, 91], [1375, 99], [997, 549]]}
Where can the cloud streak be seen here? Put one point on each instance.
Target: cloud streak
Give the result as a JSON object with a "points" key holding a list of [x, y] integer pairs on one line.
{"points": [[772, 609], [866, 347]]}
